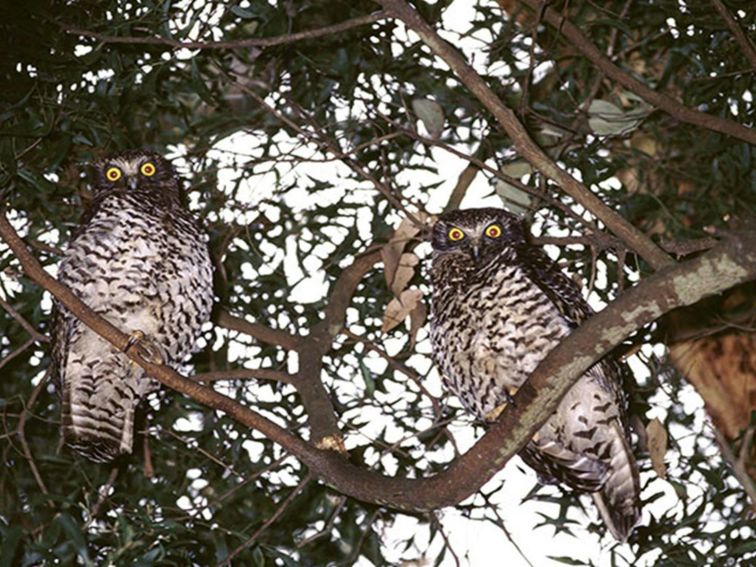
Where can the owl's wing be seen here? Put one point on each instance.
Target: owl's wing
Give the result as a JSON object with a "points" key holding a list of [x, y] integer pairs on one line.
{"points": [[560, 289]]}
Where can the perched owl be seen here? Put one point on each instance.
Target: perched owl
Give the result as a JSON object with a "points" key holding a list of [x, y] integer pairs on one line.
{"points": [[139, 260], [499, 306]]}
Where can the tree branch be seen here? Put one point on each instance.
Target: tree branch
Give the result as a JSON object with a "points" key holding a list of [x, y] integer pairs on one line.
{"points": [[654, 98], [740, 36], [233, 44], [256, 330], [725, 266], [245, 374], [320, 413], [522, 141]]}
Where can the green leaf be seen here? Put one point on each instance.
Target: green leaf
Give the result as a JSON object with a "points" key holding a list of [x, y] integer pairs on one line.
{"points": [[367, 378], [76, 537]]}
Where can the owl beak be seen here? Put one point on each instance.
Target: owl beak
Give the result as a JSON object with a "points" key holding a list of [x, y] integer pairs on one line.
{"points": [[132, 182], [476, 251]]}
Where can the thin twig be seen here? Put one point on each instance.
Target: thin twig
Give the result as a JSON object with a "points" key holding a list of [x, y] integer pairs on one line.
{"points": [[102, 495], [745, 44], [19, 351], [28, 327], [328, 528], [245, 374], [21, 434], [233, 44], [277, 514], [740, 472]]}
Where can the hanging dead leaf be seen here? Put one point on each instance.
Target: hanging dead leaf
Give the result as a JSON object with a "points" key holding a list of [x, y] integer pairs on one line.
{"points": [[417, 320], [399, 307], [404, 272], [391, 253], [657, 446]]}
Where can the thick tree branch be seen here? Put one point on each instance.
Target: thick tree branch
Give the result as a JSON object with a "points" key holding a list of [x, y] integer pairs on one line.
{"points": [[654, 98], [725, 266], [522, 141], [234, 44], [321, 416]]}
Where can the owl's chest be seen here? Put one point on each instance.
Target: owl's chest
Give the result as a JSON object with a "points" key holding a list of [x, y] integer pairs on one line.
{"points": [[493, 333], [123, 256]]}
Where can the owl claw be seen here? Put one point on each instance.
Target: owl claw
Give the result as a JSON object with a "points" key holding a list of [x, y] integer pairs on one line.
{"points": [[494, 414], [146, 349]]}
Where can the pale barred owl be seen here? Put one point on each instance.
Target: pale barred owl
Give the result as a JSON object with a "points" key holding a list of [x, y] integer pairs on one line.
{"points": [[499, 306], [139, 260]]}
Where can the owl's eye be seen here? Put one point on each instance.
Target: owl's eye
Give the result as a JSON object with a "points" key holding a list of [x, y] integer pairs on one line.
{"points": [[493, 231], [113, 174], [148, 169], [455, 234]]}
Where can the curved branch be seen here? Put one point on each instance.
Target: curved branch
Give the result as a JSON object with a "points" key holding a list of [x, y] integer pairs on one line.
{"points": [[654, 98], [725, 266], [321, 416], [522, 141]]}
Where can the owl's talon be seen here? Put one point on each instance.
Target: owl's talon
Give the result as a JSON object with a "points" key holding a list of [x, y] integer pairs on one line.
{"points": [[494, 414], [134, 338], [147, 349]]}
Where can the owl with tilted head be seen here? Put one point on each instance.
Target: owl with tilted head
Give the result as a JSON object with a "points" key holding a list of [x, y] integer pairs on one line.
{"points": [[499, 306], [140, 260]]}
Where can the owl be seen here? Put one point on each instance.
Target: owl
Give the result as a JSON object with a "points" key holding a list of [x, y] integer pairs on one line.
{"points": [[499, 305], [140, 261]]}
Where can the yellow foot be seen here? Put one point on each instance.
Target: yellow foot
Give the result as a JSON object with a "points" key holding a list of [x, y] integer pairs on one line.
{"points": [[146, 348], [494, 414]]}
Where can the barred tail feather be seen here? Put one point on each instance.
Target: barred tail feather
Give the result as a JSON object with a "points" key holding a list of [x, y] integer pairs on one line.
{"points": [[97, 412], [618, 501], [97, 437]]}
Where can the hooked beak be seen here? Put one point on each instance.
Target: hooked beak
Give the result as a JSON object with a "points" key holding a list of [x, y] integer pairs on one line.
{"points": [[476, 251], [132, 182]]}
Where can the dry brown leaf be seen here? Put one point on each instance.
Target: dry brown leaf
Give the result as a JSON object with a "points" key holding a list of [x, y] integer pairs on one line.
{"points": [[391, 253], [404, 272], [399, 307], [657, 446], [417, 320], [722, 369]]}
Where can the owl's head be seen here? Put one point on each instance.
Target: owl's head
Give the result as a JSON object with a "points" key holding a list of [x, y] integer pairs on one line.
{"points": [[139, 171], [477, 234]]}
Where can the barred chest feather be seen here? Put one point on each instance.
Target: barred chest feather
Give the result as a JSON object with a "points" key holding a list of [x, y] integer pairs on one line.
{"points": [[490, 330], [144, 268]]}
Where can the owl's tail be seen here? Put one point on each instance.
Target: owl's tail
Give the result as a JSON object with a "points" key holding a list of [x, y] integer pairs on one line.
{"points": [[95, 436], [98, 404], [618, 501]]}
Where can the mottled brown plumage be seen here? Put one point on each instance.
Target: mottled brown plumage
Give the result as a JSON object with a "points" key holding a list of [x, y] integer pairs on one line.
{"points": [[140, 261], [499, 306]]}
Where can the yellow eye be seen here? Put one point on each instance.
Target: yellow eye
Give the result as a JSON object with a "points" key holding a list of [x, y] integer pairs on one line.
{"points": [[493, 231], [113, 174], [455, 234], [148, 169]]}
